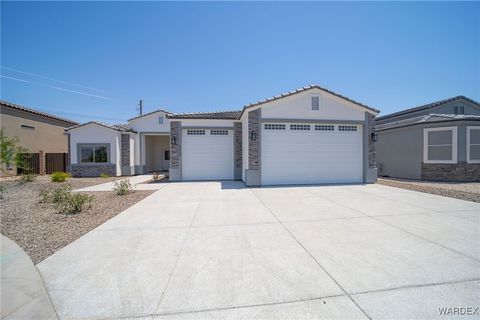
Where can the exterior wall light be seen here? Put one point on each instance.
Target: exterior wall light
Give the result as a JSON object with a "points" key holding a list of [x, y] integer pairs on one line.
{"points": [[253, 135], [373, 137], [174, 140]]}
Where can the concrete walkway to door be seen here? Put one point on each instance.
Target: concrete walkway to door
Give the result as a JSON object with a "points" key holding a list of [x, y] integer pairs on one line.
{"points": [[139, 182], [217, 250]]}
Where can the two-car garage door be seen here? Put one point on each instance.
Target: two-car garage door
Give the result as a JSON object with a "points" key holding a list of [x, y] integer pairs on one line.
{"points": [[207, 154], [311, 153]]}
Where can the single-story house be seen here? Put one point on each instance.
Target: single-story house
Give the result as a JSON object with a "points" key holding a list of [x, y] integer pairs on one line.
{"points": [[41, 134], [437, 141], [307, 136]]}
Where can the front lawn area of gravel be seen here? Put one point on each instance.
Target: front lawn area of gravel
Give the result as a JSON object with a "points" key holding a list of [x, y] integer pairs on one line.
{"points": [[39, 229], [469, 191]]}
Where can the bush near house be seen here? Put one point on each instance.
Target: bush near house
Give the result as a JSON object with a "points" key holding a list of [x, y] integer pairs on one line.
{"points": [[104, 175], [60, 176], [65, 201], [122, 187], [27, 177]]}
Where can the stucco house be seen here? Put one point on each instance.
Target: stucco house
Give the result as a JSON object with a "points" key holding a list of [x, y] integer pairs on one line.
{"points": [[40, 133], [437, 141], [309, 135]]}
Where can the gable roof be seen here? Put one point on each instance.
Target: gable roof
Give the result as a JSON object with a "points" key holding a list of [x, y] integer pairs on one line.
{"points": [[430, 118], [116, 127], [427, 106], [36, 112], [224, 115], [306, 88], [147, 114]]}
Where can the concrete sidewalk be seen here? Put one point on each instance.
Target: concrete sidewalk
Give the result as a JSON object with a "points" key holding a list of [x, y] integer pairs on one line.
{"points": [[22, 293], [138, 181]]}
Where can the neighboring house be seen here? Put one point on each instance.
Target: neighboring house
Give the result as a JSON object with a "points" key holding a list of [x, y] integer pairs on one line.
{"points": [[437, 141], [310, 135], [40, 133]]}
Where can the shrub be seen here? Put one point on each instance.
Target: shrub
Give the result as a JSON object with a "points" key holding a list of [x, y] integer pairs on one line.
{"points": [[74, 203], [104, 175], [3, 190], [122, 187], [27, 177], [59, 176], [55, 195], [156, 176]]}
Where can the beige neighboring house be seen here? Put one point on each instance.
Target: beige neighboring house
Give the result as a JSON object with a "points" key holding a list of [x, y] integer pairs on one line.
{"points": [[42, 134]]}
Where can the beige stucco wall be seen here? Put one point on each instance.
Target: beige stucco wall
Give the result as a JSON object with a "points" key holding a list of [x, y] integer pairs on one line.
{"points": [[48, 135]]}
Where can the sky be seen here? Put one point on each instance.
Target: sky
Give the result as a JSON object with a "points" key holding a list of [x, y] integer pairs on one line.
{"points": [[96, 60]]}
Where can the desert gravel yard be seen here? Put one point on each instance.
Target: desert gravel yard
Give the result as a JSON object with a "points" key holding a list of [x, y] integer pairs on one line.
{"points": [[41, 231], [219, 250], [469, 191]]}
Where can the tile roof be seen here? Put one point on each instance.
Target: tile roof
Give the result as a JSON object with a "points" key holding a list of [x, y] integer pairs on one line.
{"points": [[430, 118], [117, 127], [310, 87], [226, 115], [36, 112], [147, 114], [427, 106]]}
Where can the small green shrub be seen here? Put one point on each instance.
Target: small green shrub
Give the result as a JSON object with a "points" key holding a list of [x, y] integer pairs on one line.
{"points": [[104, 175], [3, 190], [55, 195], [59, 176], [122, 187], [74, 203], [27, 177]]}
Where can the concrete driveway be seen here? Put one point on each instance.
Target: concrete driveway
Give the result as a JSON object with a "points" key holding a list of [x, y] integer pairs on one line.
{"points": [[220, 250]]}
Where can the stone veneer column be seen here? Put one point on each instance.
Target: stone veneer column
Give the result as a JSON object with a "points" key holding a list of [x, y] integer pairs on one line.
{"points": [[253, 173], [127, 169], [175, 172], [371, 166], [69, 155], [237, 136]]}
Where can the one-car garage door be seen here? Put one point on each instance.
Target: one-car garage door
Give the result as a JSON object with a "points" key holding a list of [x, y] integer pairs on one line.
{"points": [[207, 154], [311, 153]]}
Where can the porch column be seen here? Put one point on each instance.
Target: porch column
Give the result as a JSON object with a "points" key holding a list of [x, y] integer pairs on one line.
{"points": [[175, 173]]}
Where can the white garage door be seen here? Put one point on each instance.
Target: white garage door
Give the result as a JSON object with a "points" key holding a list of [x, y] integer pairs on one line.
{"points": [[311, 153], [207, 154]]}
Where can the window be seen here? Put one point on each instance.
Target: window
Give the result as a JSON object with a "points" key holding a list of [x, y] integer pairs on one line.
{"points": [[473, 144], [160, 119], [315, 102], [274, 126], [26, 126], [324, 127], [440, 145], [193, 132], [166, 155], [93, 153], [299, 127], [219, 132], [347, 128], [459, 110]]}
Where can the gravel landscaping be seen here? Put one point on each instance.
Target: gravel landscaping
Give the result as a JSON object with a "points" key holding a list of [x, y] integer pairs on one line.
{"points": [[469, 191], [39, 229]]}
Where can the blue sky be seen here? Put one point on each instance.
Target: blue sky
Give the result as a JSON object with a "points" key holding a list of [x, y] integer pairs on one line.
{"points": [[192, 56]]}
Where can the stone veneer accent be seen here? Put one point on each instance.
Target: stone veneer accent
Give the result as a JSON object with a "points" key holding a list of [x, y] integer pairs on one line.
{"points": [[462, 171], [254, 146], [69, 155], [92, 170], [371, 144], [175, 150], [237, 129], [125, 150]]}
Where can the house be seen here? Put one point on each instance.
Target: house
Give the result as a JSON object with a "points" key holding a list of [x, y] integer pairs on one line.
{"points": [[310, 135], [41, 134], [437, 141]]}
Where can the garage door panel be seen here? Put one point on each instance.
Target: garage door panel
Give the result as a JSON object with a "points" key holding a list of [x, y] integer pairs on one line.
{"points": [[207, 157], [311, 156]]}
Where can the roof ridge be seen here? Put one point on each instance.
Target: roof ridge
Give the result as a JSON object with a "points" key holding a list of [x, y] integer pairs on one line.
{"points": [[37, 112]]}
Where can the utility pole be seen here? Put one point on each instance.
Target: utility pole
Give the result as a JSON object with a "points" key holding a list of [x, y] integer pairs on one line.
{"points": [[140, 107]]}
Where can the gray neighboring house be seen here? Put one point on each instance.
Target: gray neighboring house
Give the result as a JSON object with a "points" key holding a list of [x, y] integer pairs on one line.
{"points": [[438, 141]]}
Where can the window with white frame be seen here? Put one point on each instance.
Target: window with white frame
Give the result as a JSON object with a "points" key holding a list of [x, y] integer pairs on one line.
{"points": [[315, 103], [440, 145], [473, 144], [93, 153]]}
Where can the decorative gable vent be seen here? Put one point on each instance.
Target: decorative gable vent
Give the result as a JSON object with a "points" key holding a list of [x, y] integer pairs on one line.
{"points": [[315, 103]]}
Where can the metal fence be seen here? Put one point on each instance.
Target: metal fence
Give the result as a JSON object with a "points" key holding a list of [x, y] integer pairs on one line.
{"points": [[30, 163], [55, 162]]}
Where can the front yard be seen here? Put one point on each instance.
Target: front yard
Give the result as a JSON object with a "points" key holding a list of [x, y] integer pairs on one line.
{"points": [[39, 229]]}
